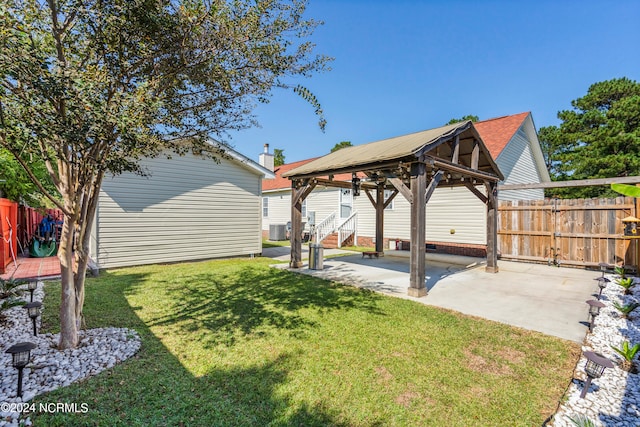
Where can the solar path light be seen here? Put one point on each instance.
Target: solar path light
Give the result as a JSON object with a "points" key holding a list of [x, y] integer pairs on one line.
{"points": [[602, 283], [604, 267], [594, 311], [595, 366], [20, 354], [32, 287], [33, 310]]}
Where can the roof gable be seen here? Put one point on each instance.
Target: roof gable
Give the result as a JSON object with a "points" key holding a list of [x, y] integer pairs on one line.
{"points": [[496, 133]]}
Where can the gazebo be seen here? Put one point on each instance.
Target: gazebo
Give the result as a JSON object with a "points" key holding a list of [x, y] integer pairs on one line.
{"points": [[412, 165]]}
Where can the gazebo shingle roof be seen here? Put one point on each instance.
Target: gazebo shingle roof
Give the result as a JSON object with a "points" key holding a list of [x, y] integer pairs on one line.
{"points": [[495, 133]]}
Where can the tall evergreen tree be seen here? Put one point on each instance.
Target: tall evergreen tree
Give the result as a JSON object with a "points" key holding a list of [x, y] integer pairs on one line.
{"points": [[278, 157], [340, 145], [598, 138]]}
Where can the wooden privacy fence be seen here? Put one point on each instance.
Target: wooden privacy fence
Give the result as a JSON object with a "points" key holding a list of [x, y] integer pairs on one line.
{"points": [[577, 232]]}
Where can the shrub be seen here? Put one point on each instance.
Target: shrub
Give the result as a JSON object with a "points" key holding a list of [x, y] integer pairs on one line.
{"points": [[10, 292], [627, 283], [628, 353], [582, 421], [626, 309], [11, 288], [620, 272]]}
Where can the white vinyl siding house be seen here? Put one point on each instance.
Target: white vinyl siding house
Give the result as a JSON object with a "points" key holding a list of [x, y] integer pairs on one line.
{"points": [[518, 164], [189, 208]]}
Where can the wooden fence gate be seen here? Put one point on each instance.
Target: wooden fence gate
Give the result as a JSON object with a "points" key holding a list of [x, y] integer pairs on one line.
{"points": [[573, 232]]}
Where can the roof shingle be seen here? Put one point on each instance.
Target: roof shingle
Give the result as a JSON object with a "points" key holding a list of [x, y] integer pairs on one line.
{"points": [[496, 133]]}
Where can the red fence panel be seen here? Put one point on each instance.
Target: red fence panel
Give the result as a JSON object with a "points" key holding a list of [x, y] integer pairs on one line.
{"points": [[9, 232]]}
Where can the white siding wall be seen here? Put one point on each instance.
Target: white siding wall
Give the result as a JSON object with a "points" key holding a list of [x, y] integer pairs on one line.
{"points": [[279, 208], [189, 208], [321, 200], [324, 201], [448, 209], [518, 166]]}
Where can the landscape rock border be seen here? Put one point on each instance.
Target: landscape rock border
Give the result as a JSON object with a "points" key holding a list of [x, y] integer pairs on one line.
{"points": [[614, 398], [50, 368]]}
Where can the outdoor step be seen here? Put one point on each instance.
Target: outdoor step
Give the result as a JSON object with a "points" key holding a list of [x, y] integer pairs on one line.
{"points": [[331, 241]]}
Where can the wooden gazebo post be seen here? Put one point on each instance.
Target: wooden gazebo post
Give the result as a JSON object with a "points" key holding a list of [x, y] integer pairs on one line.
{"points": [[296, 226], [417, 286], [492, 227], [299, 191], [380, 218]]}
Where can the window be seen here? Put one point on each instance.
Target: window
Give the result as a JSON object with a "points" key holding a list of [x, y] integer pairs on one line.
{"points": [[304, 208], [387, 194], [346, 203], [265, 207]]}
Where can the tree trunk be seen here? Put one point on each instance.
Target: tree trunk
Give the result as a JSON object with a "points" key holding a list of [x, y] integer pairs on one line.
{"points": [[68, 322], [83, 239]]}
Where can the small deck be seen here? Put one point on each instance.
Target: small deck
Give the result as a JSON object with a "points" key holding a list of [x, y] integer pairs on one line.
{"points": [[33, 268]]}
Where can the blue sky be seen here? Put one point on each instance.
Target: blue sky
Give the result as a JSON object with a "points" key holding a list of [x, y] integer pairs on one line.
{"points": [[406, 66]]}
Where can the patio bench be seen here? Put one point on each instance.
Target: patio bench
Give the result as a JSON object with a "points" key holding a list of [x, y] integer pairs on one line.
{"points": [[371, 254]]}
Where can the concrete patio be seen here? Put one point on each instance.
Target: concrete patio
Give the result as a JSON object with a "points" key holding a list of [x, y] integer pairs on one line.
{"points": [[538, 297]]}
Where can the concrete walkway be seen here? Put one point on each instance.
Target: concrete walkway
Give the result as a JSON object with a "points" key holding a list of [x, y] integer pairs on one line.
{"points": [[547, 299]]}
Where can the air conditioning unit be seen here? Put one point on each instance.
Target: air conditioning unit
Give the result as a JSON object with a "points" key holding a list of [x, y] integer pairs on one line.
{"points": [[277, 232]]}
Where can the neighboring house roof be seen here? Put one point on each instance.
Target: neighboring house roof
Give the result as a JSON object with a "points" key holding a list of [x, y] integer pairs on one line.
{"points": [[495, 133], [243, 160], [280, 182]]}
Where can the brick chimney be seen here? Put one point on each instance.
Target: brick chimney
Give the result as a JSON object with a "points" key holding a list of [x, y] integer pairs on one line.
{"points": [[266, 158]]}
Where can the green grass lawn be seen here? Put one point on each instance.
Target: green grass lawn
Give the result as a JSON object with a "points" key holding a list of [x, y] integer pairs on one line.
{"points": [[236, 343], [274, 243]]}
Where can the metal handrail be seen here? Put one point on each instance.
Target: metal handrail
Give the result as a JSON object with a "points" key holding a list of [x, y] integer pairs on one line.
{"points": [[348, 227], [325, 228]]}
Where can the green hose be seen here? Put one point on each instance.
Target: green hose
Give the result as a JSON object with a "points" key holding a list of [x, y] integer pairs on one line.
{"points": [[39, 249]]}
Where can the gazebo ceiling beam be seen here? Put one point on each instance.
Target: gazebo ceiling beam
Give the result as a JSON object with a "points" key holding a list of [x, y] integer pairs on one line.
{"points": [[464, 171], [373, 166], [344, 184], [431, 187], [304, 190], [402, 188], [391, 197], [475, 191]]}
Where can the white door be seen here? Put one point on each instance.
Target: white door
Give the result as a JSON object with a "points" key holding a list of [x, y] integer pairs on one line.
{"points": [[346, 203]]}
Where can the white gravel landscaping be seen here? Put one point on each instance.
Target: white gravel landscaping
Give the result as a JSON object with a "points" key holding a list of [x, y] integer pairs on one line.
{"points": [[49, 369], [613, 399]]}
